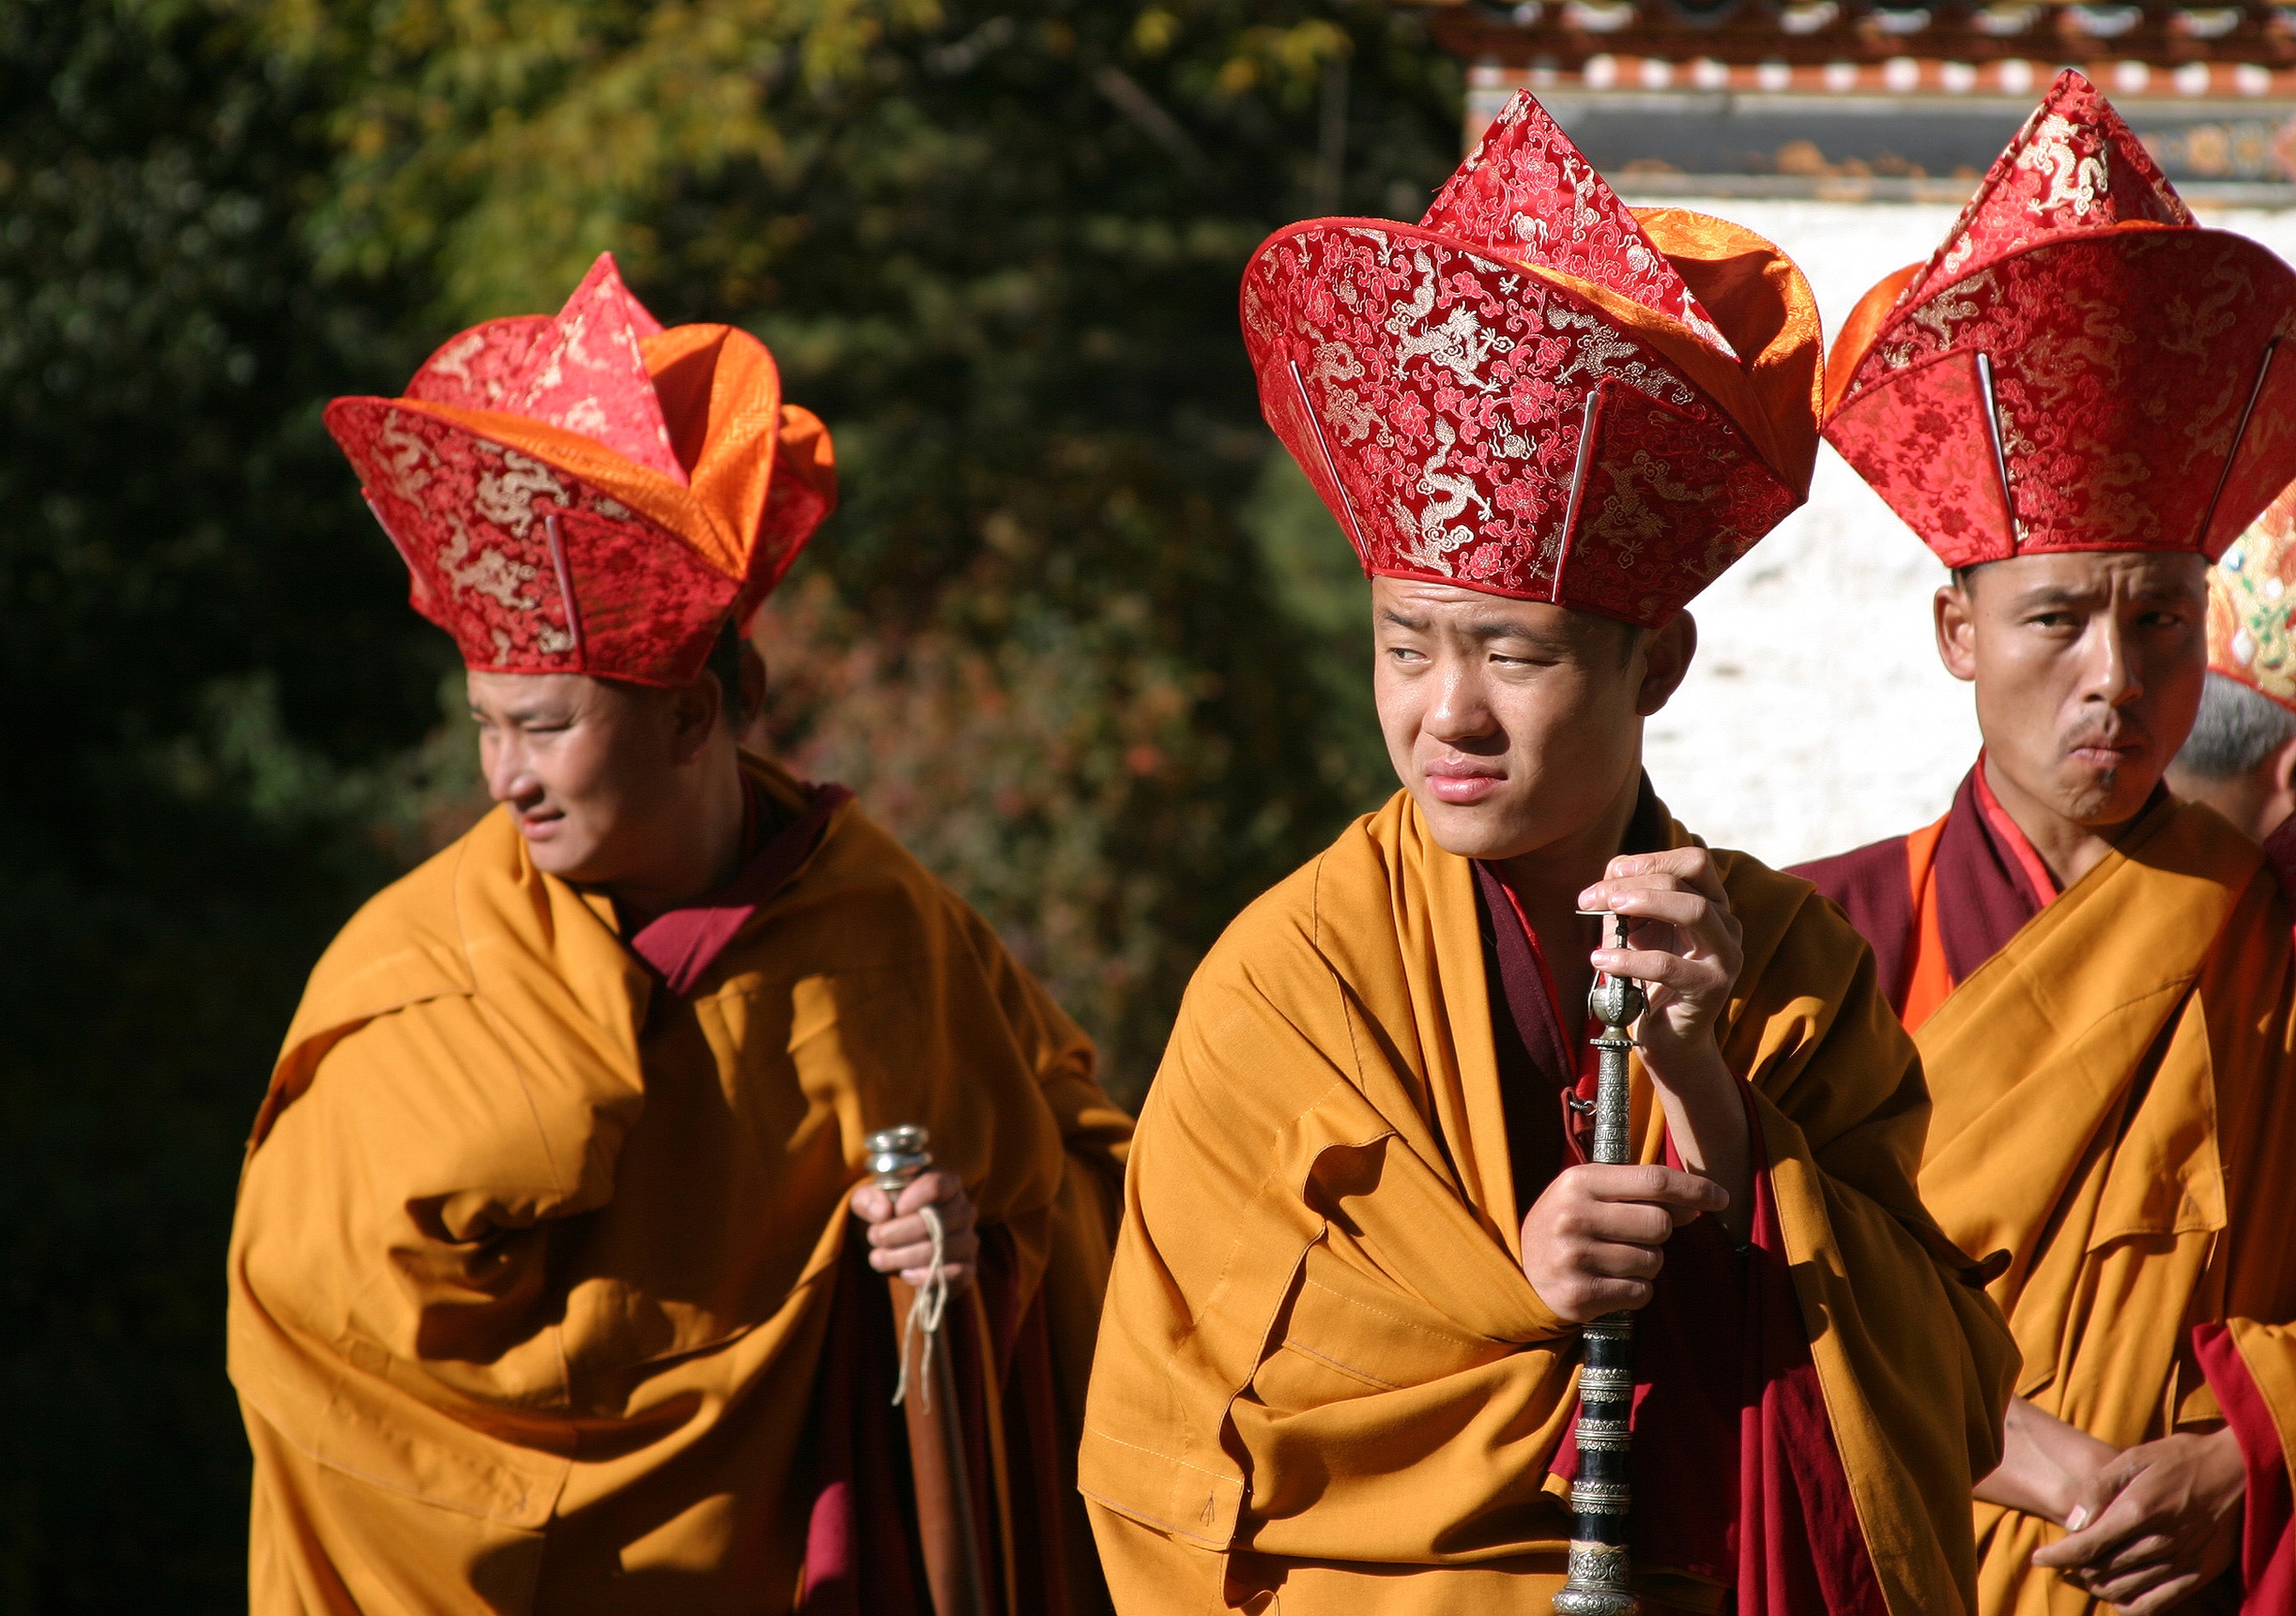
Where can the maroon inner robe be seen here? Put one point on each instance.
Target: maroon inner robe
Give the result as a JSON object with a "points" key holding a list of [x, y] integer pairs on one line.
{"points": [[684, 942]]}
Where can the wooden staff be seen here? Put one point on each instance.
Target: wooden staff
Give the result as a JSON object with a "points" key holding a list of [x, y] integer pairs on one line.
{"points": [[936, 1420], [1600, 1580]]}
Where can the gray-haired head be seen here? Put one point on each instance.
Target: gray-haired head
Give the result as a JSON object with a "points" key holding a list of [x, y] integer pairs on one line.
{"points": [[2238, 728]]}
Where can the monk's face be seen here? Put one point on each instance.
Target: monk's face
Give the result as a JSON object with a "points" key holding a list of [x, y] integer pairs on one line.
{"points": [[1514, 724], [2089, 669], [595, 773]]}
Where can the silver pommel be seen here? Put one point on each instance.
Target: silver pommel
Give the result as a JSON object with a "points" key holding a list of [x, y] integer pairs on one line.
{"points": [[897, 1155]]}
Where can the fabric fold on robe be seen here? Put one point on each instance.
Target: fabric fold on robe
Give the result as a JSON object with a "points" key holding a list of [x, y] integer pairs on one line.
{"points": [[2268, 1561], [2115, 1095], [1323, 1378], [864, 1555], [534, 1259]]}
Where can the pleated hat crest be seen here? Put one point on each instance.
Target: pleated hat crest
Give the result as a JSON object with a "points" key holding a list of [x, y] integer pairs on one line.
{"points": [[590, 493], [2079, 365], [1536, 391], [2252, 604]]}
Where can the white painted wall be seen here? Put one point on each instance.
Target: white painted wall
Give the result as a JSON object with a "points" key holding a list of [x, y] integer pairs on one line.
{"points": [[1817, 717]]}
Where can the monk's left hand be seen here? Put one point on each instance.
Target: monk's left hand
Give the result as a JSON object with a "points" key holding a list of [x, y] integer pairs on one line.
{"points": [[1682, 943], [900, 1243], [2156, 1525], [1686, 948]]}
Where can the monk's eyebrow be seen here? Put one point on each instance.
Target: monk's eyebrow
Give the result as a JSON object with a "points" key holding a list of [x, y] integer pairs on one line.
{"points": [[2175, 593], [2047, 596], [1412, 624], [1487, 629]]}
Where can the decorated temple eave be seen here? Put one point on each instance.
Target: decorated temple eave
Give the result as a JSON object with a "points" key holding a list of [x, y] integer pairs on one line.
{"points": [[1662, 65], [2238, 51], [1846, 97]]}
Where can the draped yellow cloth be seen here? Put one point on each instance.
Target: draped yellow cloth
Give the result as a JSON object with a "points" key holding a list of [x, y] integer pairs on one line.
{"points": [[2115, 1098], [530, 1276], [1322, 1374]]}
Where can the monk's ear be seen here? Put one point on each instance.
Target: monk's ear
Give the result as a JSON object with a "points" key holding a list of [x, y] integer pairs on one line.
{"points": [[1666, 656], [751, 705], [694, 714], [2282, 764], [1955, 616]]}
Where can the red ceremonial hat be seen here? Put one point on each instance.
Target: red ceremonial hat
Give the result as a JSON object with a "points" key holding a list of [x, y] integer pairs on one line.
{"points": [[1536, 391], [591, 493], [2079, 366]]}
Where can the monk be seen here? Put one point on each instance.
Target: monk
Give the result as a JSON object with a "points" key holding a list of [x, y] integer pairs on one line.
{"points": [[1361, 1230], [551, 1286], [2241, 757], [2077, 405]]}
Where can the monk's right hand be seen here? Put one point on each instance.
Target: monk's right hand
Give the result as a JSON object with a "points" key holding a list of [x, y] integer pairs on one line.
{"points": [[1596, 1240]]}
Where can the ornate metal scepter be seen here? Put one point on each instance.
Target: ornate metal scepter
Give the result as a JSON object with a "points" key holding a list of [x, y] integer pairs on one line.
{"points": [[936, 1421], [1599, 1583]]}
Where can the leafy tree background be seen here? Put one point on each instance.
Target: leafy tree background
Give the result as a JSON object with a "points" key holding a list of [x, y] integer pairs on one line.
{"points": [[1078, 635]]}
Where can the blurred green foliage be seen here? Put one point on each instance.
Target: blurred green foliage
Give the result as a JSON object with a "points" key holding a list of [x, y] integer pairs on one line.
{"points": [[997, 247], [1075, 635]]}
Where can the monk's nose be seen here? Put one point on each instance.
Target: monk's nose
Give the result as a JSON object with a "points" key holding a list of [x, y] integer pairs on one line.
{"points": [[1458, 711], [2111, 679], [509, 777]]}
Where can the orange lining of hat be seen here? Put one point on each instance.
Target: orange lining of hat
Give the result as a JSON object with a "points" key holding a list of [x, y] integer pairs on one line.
{"points": [[720, 395], [1761, 301]]}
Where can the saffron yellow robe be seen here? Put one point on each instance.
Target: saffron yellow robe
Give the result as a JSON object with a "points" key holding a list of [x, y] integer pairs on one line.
{"points": [[2115, 1097], [529, 1276], [1324, 1383]]}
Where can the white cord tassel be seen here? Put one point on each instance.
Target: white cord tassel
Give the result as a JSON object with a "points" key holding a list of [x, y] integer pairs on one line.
{"points": [[926, 1306]]}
